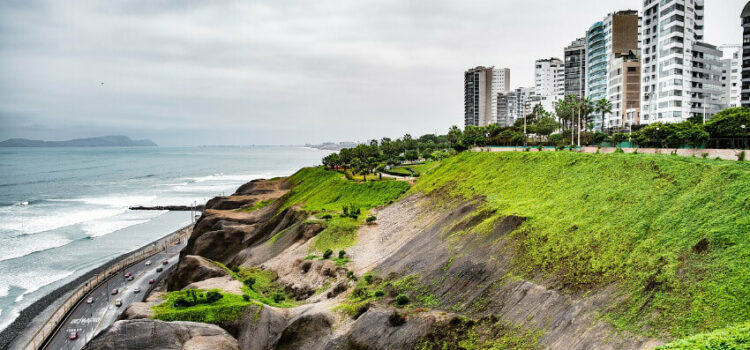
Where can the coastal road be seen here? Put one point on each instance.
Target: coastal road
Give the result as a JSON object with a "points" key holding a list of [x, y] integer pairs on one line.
{"points": [[90, 319]]}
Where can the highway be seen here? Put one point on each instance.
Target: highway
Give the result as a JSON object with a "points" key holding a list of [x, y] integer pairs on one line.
{"points": [[90, 319]]}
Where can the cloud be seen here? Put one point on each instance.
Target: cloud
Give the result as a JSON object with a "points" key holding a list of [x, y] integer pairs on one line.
{"points": [[266, 72]]}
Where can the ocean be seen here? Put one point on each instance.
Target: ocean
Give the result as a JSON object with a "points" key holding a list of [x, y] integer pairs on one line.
{"points": [[64, 211]]}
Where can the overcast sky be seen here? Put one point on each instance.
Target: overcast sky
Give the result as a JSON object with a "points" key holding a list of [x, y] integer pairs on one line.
{"points": [[274, 72]]}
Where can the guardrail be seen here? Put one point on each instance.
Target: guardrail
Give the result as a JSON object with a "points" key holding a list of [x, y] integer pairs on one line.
{"points": [[49, 328]]}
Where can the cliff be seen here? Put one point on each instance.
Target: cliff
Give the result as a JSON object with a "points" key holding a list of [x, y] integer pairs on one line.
{"points": [[553, 250]]}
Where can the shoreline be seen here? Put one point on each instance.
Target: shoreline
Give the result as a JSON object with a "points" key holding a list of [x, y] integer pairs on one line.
{"points": [[28, 315]]}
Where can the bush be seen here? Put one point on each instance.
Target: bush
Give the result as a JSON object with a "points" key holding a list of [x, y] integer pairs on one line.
{"points": [[327, 217], [704, 155], [278, 297], [327, 254], [213, 296], [370, 219], [379, 293], [250, 281], [342, 254], [619, 150], [350, 274], [235, 269], [402, 299], [368, 278], [539, 148], [245, 297], [741, 156]]}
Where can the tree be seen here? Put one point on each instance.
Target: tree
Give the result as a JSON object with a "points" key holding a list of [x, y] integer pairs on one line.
{"points": [[728, 123], [454, 135], [604, 107], [545, 126], [332, 160]]}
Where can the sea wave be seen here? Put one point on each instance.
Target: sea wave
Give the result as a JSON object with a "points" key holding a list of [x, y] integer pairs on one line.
{"points": [[38, 221], [116, 201], [98, 228], [20, 246], [223, 177]]}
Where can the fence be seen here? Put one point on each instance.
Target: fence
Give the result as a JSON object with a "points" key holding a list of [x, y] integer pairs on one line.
{"points": [[726, 154], [50, 327]]}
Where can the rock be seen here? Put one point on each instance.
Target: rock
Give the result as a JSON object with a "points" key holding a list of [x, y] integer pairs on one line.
{"points": [[225, 283], [145, 334], [261, 328], [137, 311], [191, 269], [309, 331], [375, 330]]}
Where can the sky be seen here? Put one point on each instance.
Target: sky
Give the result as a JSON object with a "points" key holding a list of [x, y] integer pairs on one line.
{"points": [[275, 72]]}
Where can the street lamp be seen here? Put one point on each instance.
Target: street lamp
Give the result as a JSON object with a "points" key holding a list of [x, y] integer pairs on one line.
{"points": [[658, 136]]}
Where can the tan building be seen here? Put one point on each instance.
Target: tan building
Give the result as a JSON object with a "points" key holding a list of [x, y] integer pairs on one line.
{"points": [[624, 91]]}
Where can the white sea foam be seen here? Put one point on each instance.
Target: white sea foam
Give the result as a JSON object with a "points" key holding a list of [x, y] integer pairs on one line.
{"points": [[32, 279], [35, 221], [112, 201], [98, 228], [18, 246], [233, 178]]}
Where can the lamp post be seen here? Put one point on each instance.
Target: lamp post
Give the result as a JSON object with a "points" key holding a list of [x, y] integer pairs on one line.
{"points": [[658, 136]]}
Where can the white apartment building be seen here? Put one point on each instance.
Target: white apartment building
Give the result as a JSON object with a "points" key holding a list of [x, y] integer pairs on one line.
{"points": [[549, 82], [481, 88], [731, 75], [517, 103], [678, 72]]}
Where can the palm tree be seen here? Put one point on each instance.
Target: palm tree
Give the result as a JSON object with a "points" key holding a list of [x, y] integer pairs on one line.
{"points": [[604, 107]]}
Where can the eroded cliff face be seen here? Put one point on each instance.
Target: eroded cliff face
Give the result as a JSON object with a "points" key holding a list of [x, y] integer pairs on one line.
{"points": [[460, 280]]}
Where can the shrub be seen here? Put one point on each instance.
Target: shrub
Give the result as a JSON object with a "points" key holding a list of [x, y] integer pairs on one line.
{"points": [[342, 254], [250, 281], [741, 156], [235, 269], [635, 151], [704, 155], [181, 302], [619, 150], [350, 274], [370, 219], [326, 217], [245, 297], [368, 278], [379, 293], [278, 297], [327, 254], [598, 148], [527, 149], [213, 296], [402, 299]]}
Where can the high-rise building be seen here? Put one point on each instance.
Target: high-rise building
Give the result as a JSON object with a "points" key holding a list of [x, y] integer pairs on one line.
{"points": [[481, 88], [745, 90], [624, 91], [679, 73], [517, 102], [606, 42], [575, 68], [504, 118], [549, 82], [731, 75]]}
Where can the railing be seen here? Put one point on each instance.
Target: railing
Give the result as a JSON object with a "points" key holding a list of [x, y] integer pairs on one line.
{"points": [[50, 327]]}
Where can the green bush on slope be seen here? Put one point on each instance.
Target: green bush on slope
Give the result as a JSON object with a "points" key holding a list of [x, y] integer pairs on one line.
{"points": [[673, 232]]}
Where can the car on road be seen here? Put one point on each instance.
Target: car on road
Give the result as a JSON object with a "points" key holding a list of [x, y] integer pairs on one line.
{"points": [[136, 290], [151, 281], [118, 302], [131, 278], [90, 301], [159, 269], [114, 291], [148, 263], [128, 274], [73, 335], [165, 262]]}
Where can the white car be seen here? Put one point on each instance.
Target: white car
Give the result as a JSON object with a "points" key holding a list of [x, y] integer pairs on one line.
{"points": [[136, 290], [148, 263], [90, 301], [118, 302]]}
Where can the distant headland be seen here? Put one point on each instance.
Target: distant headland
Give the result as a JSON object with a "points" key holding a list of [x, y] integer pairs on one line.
{"points": [[103, 141]]}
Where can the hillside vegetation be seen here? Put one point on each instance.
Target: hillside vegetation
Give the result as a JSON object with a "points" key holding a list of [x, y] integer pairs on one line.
{"points": [[671, 233]]}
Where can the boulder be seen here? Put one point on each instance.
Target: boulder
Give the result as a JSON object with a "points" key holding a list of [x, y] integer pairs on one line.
{"points": [[191, 269], [145, 334]]}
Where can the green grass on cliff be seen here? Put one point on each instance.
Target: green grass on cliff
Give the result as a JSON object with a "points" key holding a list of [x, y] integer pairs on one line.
{"points": [[730, 338], [320, 190], [673, 233]]}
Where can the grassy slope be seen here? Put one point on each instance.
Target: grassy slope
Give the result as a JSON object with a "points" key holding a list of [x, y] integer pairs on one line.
{"points": [[632, 219], [730, 338], [318, 190]]}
